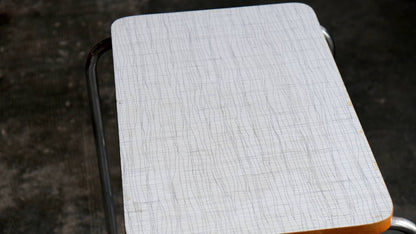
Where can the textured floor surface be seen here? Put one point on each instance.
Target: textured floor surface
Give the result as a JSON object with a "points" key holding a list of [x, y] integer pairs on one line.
{"points": [[48, 169]]}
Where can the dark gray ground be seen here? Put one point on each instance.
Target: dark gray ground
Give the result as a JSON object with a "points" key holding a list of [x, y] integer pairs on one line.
{"points": [[48, 169]]}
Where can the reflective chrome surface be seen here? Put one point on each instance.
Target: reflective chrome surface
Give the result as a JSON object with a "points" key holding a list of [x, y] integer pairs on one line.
{"points": [[328, 39], [403, 225]]}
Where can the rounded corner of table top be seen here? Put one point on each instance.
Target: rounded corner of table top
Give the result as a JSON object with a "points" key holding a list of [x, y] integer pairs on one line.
{"points": [[371, 228]]}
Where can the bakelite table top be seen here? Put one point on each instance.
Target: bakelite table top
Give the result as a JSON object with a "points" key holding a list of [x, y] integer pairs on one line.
{"points": [[237, 121]]}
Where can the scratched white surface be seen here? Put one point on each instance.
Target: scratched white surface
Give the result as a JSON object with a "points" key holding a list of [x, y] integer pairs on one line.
{"points": [[237, 121]]}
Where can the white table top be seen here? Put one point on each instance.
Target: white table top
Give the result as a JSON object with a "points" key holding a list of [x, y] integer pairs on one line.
{"points": [[237, 121]]}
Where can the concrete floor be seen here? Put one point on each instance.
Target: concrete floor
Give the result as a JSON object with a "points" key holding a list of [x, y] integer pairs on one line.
{"points": [[48, 169]]}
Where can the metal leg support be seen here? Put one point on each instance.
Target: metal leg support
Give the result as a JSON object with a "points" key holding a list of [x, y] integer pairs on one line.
{"points": [[403, 225], [328, 39], [94, 98]]}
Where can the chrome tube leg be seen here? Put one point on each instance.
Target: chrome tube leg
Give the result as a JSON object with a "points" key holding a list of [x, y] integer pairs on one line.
{"points": [[328, 39], [403, 225], [100, 144]]}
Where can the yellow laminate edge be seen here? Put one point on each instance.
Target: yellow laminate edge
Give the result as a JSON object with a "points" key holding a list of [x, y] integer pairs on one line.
{"points": [[372, 228]]}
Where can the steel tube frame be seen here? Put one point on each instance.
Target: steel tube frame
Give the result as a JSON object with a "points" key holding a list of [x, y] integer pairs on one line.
{"points": [[100, 143]]}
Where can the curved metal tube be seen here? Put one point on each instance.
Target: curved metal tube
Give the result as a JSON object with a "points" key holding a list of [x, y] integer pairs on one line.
{"points": [[403, 225], [328, 39], [94, 99]]}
